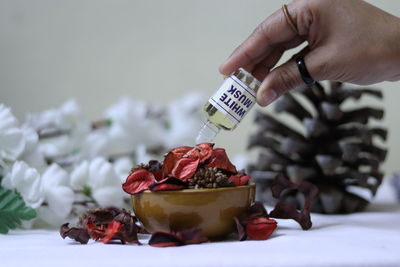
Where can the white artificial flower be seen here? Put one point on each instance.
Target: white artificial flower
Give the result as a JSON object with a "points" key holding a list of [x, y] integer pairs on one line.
{"points": [[18, 143], [101, 178], [31, 154], [27, 182], [141, 155], [7, 119], [80, 175], [132, 123], [31, 138], [185, 120], [96, 144], [67, 118], [35, 159], [64, 117], [122, 167], [59, 197], [12, 144]]}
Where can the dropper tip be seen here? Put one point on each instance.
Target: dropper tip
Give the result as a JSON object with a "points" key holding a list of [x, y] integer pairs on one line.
{"points": [[207, 133]]}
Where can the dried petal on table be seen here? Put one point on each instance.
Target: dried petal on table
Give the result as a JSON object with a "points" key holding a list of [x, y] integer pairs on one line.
{"points": [[78, 234], [254, 223], [112, 229], [288, 211], [260, 228]]}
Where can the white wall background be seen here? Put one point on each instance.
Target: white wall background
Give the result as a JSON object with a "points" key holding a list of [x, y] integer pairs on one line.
{"points": [[97, 51]]}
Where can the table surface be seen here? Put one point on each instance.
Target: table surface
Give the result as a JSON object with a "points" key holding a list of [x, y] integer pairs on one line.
{"points": [[370, 238]]}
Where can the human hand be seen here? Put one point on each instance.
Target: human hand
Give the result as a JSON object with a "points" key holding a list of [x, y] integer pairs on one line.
{"points": [[348, 41]]}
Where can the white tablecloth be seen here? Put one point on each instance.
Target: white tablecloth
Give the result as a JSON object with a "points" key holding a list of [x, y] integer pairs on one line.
{"points": [[370, 238]]}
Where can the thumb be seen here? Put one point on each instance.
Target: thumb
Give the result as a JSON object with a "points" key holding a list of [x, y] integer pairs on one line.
{"points": [[286, 77]]}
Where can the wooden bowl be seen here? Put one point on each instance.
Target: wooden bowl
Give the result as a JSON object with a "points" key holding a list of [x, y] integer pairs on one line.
{"points": [[212, 210]]}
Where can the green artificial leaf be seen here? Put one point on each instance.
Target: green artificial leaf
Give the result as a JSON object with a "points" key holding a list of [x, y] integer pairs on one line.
{"points": [[13, 210], [87, 191]]}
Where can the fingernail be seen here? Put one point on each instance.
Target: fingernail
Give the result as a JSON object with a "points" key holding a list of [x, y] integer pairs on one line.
{"points": [[269, 96]]}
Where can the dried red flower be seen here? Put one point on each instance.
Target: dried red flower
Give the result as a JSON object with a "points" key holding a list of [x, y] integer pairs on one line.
{"points": [[193, 153], [78, 234], [220, 159], [182, 163], [239, 179], [172, 157], [260, 228], [96, 231], [254, 223], [103, 224], [185, 168], [206, 150], [169, 183], [112, 229], [138, 181]]}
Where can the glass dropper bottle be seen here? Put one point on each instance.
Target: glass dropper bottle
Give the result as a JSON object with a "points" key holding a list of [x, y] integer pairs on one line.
{"points": [[228, 106]]}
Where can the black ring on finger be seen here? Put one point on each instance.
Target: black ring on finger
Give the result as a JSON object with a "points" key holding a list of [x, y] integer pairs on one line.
{"points": [[305, 75]]}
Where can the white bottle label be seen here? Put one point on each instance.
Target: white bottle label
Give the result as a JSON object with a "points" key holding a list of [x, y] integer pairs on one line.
{"points": [[233, 99]]}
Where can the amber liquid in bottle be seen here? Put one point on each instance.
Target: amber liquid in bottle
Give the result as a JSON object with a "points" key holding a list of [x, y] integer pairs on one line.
{"points": [[227, 107]]}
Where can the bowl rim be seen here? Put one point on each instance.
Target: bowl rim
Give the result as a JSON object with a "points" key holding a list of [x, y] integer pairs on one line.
{"points": [[197, 191]]}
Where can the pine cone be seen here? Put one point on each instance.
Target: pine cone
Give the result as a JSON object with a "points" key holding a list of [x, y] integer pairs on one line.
{"points": [[335, 150], [208, 178]]}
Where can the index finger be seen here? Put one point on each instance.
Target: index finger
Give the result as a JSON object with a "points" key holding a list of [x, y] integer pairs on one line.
{"points": [[272, 31]]}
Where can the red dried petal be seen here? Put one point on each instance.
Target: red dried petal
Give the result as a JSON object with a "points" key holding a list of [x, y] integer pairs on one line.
{"points": [[219, 159], [181, 150], [239, 179], [284, 210], [165, 239], [185, 168], [194, 153], [206, 150], [260, 228], [169, 183], [80, 235], [172, 157], [112, 229], [96, 232], [138, 181], [158, 175]]}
